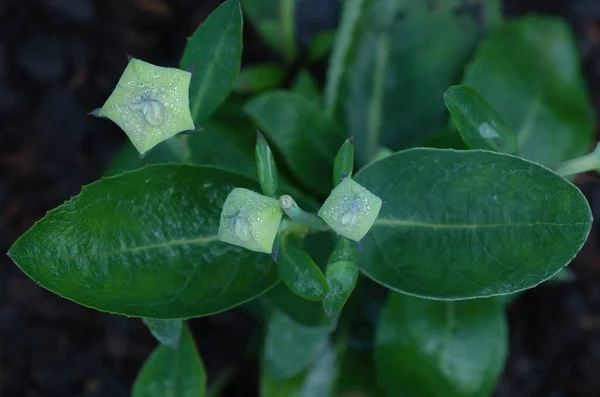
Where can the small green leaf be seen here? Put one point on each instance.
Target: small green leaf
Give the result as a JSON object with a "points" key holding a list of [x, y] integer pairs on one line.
{"points": [[259, 78], [145, 244], [316, 381], [342, 274], [150, 103], [250, 220], [266, 167], [299, 271], [428, 348], [305, 85], [350, 209], [215, 50], [341, 278], [305, 136], [344, 162], [172, 372], [389, 93], [467, 224], [530, 72], [167, 332], [290, 347], [478, 123]]}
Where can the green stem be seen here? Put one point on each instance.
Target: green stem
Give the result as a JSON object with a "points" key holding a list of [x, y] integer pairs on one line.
{"points": [[588, 162], [289, 206]]}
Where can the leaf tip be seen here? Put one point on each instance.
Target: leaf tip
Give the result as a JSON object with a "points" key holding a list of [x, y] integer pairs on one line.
{"points": [[351, 140], [95, 112]]}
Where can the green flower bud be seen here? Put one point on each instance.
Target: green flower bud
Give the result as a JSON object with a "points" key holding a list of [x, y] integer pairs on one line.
{"points": [[150, 103], [350, 209], [250, 220]]}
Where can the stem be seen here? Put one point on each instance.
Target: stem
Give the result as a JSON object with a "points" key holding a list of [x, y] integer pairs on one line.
{"points": [[289, 206], [588, 162]]}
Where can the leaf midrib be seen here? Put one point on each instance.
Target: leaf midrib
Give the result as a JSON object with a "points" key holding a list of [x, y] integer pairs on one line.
{"points": [[427, 225], [201, 240]]}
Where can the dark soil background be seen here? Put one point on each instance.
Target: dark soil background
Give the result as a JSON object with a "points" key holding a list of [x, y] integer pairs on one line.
{"points": [[61, 58]]}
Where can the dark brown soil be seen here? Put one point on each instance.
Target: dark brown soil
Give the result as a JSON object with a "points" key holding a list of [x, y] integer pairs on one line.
{"points": [[60, 59]]}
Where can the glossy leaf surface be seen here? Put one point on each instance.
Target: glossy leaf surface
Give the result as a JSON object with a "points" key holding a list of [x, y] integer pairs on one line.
{"points": [[427, 348], [402, 57], [167, 332], [215, 50], [480, 126], [306, 137], [172, 372], [145, 244], [529, 71], [469, 224], [299, 272]]}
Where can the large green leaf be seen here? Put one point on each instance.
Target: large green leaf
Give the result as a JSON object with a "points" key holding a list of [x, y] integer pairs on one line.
{"points": [[529, 71], [166, 332], [466, 224], [290, 347], [307, 138], [478, 123], [428, 348], [145, 243], [215, 50], [172, 372], [388, 84]]}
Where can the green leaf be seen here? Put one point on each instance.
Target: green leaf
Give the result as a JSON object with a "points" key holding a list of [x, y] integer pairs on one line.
{"points": [[404, 54], [344, 162], [299, 272], [215, 50], [530, 72], [478, 123], [291, 347], [341, 278], [344, 37], [316, 381], [305, 85], [258, 78], [167, 332], [305, 136], [266, 167], [274, 22], [145, 244], [466, 224], [428, 348], [320, 46], [172, 372]]}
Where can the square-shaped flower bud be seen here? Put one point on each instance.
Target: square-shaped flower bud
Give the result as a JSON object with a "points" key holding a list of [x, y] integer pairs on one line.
{"points": [[250, 220], [350, 209], [150, 103]]}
